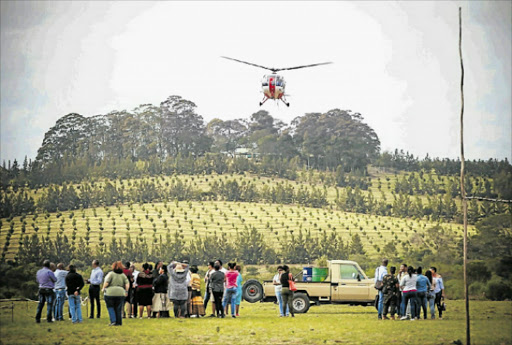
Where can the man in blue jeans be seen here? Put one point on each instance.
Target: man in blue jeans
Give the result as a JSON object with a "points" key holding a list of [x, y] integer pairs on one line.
{"points": [[422, 288], [46, 280], [74, 285], [380, 272], [60, 291]]}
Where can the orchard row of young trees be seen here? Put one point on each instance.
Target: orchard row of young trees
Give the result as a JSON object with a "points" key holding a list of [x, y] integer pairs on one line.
{"points": [[437, 207], [248, 246], [426, 184], [415, 183], [405, 161], [490, 254], [66, 198]]}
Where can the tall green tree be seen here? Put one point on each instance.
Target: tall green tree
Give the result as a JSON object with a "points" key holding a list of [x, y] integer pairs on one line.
{"points": [[338, 137], [66, 137], [184, 129], [226, 135]]}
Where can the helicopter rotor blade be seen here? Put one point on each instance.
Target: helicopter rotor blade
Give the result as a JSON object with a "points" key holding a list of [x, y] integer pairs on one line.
{"points": [[248, 63], [290, 68]]}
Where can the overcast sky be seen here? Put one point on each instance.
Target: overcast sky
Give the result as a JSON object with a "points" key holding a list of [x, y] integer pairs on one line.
{"points": [[396, 63]]}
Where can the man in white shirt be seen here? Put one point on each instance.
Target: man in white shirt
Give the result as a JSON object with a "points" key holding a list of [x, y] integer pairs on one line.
{"points": [[380, 272], [133, 301], [222, 269], [94, 289], [60, 291]]}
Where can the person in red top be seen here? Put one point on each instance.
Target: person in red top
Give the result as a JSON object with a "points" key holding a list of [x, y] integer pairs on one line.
{"points": [[129, 274], [231, 287]]}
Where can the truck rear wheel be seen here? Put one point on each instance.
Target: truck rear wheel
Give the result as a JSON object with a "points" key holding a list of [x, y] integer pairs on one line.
{"points": [[252, 291], [300, 303]]}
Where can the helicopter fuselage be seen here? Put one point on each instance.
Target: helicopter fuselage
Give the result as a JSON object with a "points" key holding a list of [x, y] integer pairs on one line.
{"points": [[273, 86]]}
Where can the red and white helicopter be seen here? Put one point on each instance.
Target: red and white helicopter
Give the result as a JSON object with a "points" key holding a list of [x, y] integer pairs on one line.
{"points": [[273, 85]]}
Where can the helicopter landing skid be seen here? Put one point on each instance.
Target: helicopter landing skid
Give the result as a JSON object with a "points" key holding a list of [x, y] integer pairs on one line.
{"points": [[285, 102], [264, 100]]}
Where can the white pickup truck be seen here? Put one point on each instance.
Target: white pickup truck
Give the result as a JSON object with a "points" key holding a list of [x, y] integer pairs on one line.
{"points": [[345, 283]]}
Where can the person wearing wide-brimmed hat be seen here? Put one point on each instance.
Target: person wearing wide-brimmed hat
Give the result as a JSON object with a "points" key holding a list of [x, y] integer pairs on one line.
{"points": [[178, 287]]}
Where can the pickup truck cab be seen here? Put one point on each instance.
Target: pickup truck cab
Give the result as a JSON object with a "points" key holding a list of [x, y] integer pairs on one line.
{"points": [[345, 283]]}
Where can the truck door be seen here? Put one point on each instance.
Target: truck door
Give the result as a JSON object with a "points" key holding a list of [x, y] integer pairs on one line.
{"points": [[352, 285]]}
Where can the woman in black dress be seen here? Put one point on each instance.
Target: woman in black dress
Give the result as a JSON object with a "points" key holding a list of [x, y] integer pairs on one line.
{"points": [[145, 290]]}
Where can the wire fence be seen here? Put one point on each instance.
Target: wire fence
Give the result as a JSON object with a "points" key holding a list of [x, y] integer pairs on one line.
{"points": [[16, 305], [488, 199]]}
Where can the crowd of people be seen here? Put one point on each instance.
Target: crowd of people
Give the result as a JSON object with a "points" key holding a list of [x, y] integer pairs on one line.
{"points": [[127, 291], [409, 292]]}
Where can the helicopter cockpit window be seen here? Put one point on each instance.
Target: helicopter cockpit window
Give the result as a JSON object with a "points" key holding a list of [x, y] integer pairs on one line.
{"points": [[264, 82]]}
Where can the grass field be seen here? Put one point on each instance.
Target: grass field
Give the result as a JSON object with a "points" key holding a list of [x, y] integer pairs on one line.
{"points": [[328, 324]]}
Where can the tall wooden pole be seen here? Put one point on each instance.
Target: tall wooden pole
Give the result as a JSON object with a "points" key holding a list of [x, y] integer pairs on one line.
{"points": [[462, 188]]}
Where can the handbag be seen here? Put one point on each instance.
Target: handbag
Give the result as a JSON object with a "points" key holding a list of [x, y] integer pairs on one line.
{"points": [[291, 283], [379, 284], [443, 305]]}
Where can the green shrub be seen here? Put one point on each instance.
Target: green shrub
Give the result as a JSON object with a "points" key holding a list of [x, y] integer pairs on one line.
{"points": [[252, 270], [498, 289], [454, 289], [477, 290]]}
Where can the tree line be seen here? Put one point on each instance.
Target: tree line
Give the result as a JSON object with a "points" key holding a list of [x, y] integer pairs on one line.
{"points": [[497, 171], [247, 245], [155, 134]]}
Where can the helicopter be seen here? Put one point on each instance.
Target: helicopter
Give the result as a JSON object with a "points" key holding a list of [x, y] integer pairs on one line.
{"points": [[273, 85]]}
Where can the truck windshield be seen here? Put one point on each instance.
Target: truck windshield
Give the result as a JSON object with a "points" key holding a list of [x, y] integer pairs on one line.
{"points": [[349, 272]]}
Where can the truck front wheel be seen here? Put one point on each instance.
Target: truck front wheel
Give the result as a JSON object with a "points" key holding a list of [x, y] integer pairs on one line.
{"points": [[252, 291], [300, 303]]}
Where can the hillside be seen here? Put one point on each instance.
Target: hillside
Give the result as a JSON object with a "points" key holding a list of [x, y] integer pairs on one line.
{"points": [[272, 216], [158, 182]]}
